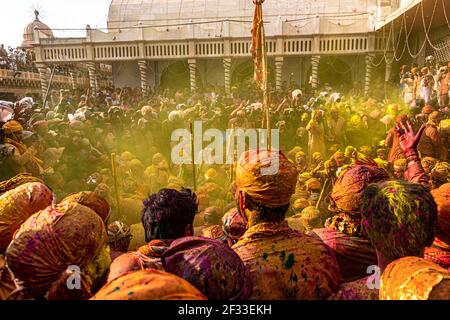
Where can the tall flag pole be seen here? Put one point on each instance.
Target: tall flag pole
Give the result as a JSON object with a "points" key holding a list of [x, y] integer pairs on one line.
{"points": [[194, 174], [260, 61]]}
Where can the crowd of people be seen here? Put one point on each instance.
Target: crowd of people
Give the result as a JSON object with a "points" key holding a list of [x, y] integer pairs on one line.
{"points": [[23, 60], [362, 184], [17, 59], [419, 86]]}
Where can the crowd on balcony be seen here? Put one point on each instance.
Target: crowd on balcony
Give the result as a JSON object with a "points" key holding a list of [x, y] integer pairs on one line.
{"points": [[23, 60], [17, 59]]}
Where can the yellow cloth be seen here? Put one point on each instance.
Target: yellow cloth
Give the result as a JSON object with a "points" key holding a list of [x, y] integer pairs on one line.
{"points": [[149, 285], [12, 127], [17, 205], [412, 278], [252, 177], [22, 149]]}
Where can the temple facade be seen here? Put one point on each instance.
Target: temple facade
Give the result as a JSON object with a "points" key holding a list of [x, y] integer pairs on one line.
{"points": [[195, 43]]}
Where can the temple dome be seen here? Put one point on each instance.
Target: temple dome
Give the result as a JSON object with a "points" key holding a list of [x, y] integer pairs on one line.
{"points": [[28, 33], [127, 13]]}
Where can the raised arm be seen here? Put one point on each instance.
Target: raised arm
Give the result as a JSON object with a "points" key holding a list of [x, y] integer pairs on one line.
{"points": [[408, 142]]}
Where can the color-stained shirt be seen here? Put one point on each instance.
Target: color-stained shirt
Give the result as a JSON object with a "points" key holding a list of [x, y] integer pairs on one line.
{"points": [[354, 254], [286, 264], [431, 144], [392, 142], [444, 81]]}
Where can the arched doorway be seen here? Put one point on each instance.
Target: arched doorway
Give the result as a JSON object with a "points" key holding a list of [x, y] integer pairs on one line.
{"points": [[175, 76], [243, 73], [335, 72]]}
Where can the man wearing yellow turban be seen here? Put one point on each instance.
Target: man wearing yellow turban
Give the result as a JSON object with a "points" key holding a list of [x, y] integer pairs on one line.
{"points": [[15, 157], [12, 127], [274, 253]]}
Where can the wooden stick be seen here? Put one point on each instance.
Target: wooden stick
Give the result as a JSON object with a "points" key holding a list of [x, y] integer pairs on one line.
{"points": [[322, 194], [229, 151], [87, 96], [49, 86], [116, 184], [269, 129], [266, 93], [194, 175]]}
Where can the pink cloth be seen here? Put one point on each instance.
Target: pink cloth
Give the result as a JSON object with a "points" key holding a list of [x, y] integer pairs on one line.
{"points": [[353, 254]]}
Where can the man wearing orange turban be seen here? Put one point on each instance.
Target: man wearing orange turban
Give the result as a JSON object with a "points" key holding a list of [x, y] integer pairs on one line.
{"points": [[19, 158], [414, 278], [274, 253], [149, 285], [12, 127], [440, 250], [432, 143]]}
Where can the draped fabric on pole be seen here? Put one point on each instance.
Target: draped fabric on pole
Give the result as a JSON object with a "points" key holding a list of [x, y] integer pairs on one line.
{"points": [[258, 46]]}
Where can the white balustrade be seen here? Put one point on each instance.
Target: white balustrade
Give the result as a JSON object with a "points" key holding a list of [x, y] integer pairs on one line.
{"points": [[54, 52]]}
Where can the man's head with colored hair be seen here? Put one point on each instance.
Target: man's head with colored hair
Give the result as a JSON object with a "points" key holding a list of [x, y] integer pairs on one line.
{"points": [[399, 218], [169, 214]]}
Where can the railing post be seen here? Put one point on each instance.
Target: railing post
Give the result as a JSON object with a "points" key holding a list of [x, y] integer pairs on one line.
{"points": [[89, 47], [141, 44]]}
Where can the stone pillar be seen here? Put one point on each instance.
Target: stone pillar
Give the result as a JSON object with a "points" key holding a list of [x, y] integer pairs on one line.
{"points": [[279, 73], [73, 80], [144, 79], [193, 73], [315, 60], [227, 69], [92, 77], [389, 60], [97, 82], [43, 74], [369, 68]]}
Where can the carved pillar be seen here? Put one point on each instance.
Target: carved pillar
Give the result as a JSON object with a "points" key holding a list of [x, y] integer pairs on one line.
{"points": [[144, 79], [92, 77], [227, 69], [369, 69], [43, 74], [279, 73], [73, 80], [315, 60], [389, 60]]}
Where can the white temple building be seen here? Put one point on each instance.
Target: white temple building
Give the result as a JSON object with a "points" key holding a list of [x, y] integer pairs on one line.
{"points": [[175, 43]]}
